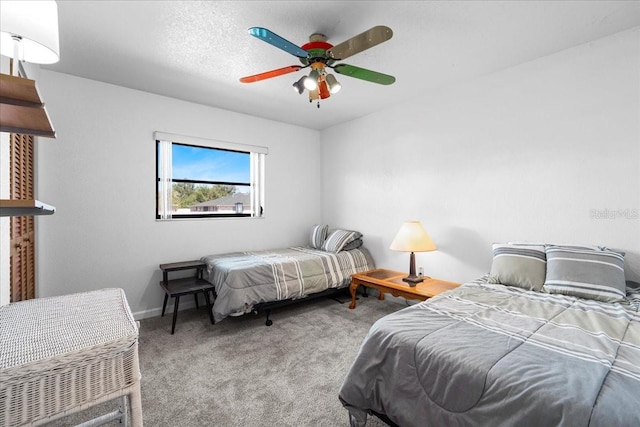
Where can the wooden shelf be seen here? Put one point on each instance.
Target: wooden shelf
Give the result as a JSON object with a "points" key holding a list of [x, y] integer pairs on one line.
{"points": [[21, 109], [24, 208]]}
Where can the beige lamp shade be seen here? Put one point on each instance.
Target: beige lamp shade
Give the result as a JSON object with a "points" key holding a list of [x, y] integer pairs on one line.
{"points": [[29, 31], [412, 238]]}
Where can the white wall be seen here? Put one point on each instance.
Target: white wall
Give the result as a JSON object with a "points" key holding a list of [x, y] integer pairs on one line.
{"points": [[100, 175], [524, 154]]}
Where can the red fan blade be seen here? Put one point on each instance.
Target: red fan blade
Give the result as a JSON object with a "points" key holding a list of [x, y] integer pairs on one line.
{"points": [[270, 74]]}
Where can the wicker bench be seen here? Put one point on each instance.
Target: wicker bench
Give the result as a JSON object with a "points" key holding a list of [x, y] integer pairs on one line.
{"points": [[61, 355]]}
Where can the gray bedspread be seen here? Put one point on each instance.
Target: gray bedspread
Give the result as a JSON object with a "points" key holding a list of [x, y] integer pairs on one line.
{"points": [[492, 355], [243, 279]]}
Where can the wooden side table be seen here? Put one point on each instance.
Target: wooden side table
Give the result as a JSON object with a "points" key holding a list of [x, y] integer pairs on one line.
{"points": [[176, 288], [389, 281]]}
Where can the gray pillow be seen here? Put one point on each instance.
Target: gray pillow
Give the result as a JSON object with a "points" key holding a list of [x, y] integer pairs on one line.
{"points": [[354, 244], [523, 266], [318, 235], [337, 239], [585, 273]]}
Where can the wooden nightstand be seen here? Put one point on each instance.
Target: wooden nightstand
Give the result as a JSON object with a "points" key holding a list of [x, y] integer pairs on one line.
{"points": [[389, 281], [176, 288]]}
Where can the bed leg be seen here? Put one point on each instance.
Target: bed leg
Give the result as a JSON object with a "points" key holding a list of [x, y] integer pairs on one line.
{"points": [[269, 322]]}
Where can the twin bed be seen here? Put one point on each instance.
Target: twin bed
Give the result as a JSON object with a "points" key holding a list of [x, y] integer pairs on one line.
{"points": [[558, 343], [260, 280]]}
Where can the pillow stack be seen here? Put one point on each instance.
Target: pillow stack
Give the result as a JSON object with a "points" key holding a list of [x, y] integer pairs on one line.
{"points": [[336, 240], [592, 272]]}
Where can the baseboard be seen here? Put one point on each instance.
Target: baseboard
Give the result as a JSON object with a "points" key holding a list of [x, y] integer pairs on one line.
{"points": [[189, 303], [156, 312]]}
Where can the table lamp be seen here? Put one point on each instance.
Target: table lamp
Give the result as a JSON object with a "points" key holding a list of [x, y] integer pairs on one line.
{"points": [[412, 238]]}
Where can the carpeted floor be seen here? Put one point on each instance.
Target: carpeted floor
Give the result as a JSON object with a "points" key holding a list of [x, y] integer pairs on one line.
{"points": [[240, 372]]}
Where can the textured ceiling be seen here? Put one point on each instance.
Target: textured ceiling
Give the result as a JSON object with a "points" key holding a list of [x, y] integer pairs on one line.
{"points": [[197, 50]]}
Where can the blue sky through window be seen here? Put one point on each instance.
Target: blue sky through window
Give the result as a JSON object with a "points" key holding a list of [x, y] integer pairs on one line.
{"points": [[207, 164]]}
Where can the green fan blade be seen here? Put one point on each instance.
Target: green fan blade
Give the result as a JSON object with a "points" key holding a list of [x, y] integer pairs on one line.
{"points": [[364, 74], [372, 37]]}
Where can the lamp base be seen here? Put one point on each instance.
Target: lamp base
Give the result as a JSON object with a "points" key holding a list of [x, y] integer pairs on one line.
{"points": [[412, 280]]}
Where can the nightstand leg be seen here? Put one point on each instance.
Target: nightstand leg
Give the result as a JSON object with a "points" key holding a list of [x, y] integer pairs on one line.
{"points": [[196, 297], [175, 314], [209, 307], [352, 289], [164, 305]]}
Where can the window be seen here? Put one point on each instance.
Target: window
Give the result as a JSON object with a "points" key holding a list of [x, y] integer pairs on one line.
{"points": [[201, 178]]}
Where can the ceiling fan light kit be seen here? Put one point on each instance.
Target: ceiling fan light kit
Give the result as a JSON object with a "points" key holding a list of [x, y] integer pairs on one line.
{"points": [[311, 82], [319, 55], [299, 85], [334, 85]]}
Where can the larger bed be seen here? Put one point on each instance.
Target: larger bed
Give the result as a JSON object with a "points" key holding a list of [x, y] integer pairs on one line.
{"points": [[245, 281], [501, 355]]}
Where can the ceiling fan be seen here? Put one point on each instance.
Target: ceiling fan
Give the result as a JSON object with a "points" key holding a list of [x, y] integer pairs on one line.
{"points": [[319, 55]]}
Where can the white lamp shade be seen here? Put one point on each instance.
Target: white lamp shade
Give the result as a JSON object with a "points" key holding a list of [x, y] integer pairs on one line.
{"points": [[334, 86], [36, 23], [412, 238], [311, 82]]}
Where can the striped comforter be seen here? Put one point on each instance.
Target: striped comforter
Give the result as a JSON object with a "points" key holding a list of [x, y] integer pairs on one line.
{"points": [[495, 355], [243, 279]]}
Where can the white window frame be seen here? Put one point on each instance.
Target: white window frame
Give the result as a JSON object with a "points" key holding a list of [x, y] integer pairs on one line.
{"points": [[164, 173]]}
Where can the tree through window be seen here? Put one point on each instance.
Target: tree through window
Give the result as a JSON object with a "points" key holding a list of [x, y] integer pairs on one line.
{"points": [[198, 178]]}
